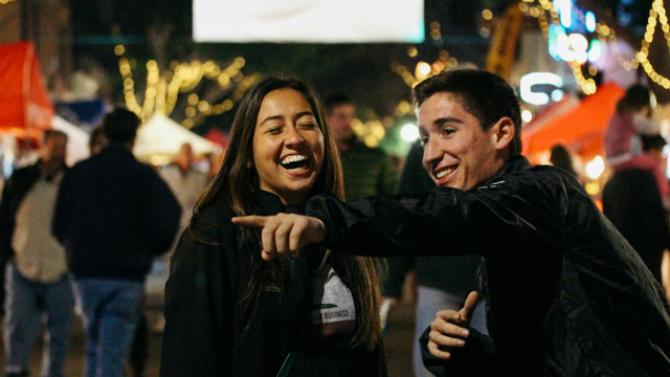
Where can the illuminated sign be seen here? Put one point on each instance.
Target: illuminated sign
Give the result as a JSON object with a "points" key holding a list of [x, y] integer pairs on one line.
{"points": [[552, 83], [569, 41], [323, 21]]}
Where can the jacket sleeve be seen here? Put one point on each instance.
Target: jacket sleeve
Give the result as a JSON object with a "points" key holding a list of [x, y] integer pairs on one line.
{"points": [[197, 340], [477, 359], [527, 208], [161, 215]]}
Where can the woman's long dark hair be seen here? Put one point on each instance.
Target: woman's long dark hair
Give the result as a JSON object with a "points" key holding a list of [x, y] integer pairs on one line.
{"points": [[237, 184]]}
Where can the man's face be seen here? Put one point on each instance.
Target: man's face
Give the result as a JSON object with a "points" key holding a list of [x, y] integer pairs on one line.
{"points": [[55, 148], [339, 120], [185, 156], [458, 153]]}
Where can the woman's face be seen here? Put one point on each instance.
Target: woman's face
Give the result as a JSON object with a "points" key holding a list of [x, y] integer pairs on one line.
{"points": [[288, 146]]}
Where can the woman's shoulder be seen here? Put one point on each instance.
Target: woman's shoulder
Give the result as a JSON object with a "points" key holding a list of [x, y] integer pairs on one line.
{"points": [[212, 224]]}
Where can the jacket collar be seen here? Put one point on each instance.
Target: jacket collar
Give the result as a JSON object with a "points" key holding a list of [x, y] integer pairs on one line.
{"points": [[515, 164], [270, 204]]}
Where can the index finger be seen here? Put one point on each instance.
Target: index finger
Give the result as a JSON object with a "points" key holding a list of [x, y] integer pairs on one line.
{"points": [[252, 221]]}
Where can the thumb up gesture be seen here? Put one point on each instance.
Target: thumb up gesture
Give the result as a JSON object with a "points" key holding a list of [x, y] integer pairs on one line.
{"points": [[449, 330]]}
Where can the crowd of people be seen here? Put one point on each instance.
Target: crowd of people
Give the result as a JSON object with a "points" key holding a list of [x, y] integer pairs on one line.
{"points": [[280, 264]]}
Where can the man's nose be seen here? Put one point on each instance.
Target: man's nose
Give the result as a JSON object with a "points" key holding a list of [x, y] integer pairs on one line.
{"points": [[431, 152]]}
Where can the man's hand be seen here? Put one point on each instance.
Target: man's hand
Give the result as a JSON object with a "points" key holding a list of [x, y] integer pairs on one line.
{"points": [[449, 330], [284, 233]]}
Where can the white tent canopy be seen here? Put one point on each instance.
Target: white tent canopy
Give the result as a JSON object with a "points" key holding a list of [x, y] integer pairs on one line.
{"points": [[162, 137], [77, 143]]}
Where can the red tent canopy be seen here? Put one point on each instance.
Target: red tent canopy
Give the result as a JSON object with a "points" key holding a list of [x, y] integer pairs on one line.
{"points": [[582, 129], [26, 108]]}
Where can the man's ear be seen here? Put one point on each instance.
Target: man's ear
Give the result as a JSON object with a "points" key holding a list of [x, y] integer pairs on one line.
{"points": [[503, 133]]}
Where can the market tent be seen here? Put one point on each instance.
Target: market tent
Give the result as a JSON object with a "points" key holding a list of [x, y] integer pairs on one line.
{"points": [[162, 137], [77, 140], [26, 108], [549, 113], [218, 137], [582, 129]]}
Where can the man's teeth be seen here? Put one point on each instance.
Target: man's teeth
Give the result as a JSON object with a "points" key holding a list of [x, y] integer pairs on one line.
{"points": [[444, 172], [293, 158]]}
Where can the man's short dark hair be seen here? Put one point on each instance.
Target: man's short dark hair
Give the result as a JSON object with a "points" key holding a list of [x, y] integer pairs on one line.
{"points": [[48, 134], [636, 98], [336, 99], [653, 142], [120, 126], [483, 94]]}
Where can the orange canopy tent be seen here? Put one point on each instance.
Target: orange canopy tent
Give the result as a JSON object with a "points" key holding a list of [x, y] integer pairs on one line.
{"points": [[26, 108], [582, 129]]}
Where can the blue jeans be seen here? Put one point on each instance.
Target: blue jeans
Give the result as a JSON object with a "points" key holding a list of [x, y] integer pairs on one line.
{"points": [[26, 303], [111, 312], [429, 302]]}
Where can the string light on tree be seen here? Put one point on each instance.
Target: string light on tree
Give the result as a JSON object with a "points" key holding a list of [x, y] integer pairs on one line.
{"points": [[164, 88]]}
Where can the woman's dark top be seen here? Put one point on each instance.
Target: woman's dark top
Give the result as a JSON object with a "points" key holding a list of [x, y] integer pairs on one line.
{"points": [[208, 335]]}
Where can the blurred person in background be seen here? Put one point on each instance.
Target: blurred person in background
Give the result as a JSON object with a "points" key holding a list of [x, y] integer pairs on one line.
{"points": [[560, 157], [139, 351], [114, 215], [38, 283], [215, 160], [228, 312], [185, 181], [442, 282], [623, 138], [632, 201], [367, 171], [96, 141]]}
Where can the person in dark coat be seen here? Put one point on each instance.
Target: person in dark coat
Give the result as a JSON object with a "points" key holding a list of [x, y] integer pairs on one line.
{"points": [[632, 202], [566, 294], [114, 215], [560, 157], [228, 313]]}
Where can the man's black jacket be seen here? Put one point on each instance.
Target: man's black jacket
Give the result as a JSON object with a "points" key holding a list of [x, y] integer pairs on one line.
{"points": [[567, 295], [15, 190], [114, 215]]}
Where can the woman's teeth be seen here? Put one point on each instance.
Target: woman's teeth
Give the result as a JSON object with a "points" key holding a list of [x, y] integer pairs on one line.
{"points": [[293, 158], [294, 161], [443, 173]]}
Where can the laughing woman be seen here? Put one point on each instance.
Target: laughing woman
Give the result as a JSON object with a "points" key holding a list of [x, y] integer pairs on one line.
{"points": [[228, 312]]}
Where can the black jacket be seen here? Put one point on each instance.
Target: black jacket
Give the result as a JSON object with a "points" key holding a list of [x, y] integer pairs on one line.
{"points": [[454, 274], [566, 294], [13, 193], [208, 335], [114, 215], [632, 202]]}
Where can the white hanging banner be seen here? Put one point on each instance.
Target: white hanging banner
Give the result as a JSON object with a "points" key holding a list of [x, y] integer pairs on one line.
{"points": [[319, 21]]}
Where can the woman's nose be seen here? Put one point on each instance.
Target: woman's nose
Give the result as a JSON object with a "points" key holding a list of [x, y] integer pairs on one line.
{"points": [[293, 136]]}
